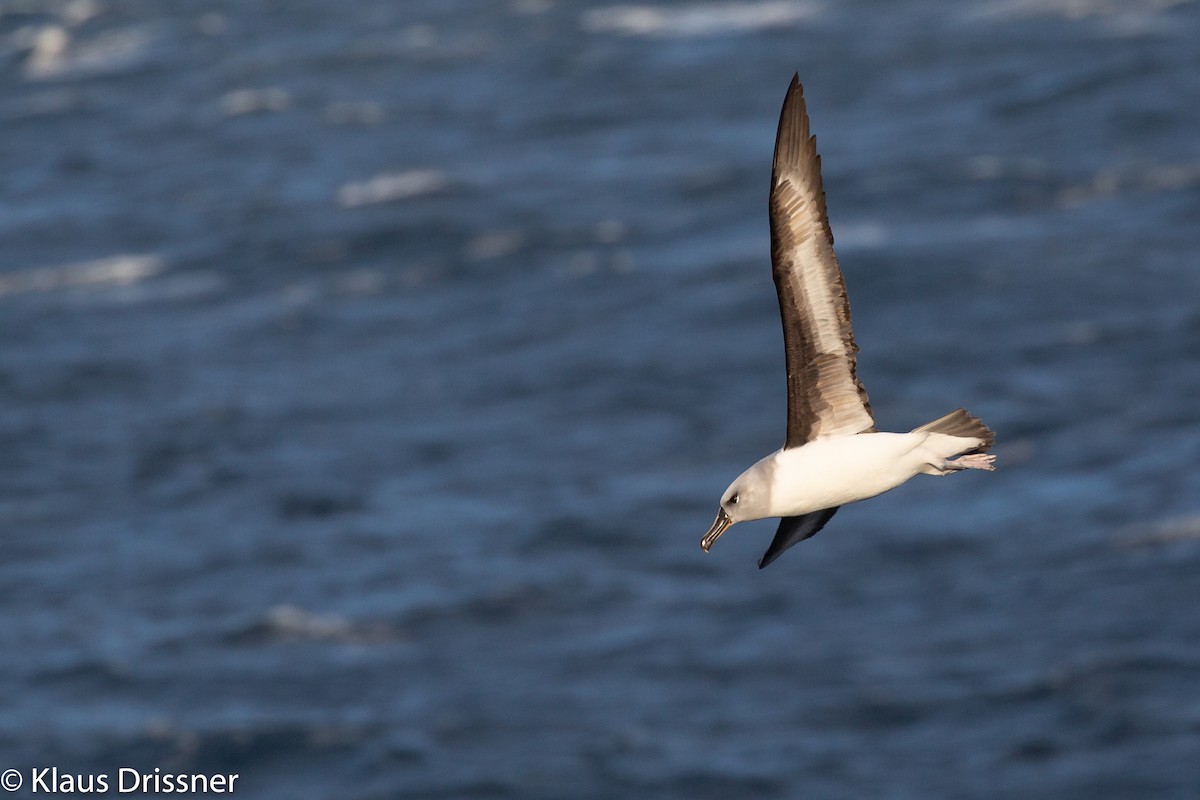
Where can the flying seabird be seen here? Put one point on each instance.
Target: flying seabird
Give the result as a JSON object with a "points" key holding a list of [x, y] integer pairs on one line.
{"points": [[833, 454]]}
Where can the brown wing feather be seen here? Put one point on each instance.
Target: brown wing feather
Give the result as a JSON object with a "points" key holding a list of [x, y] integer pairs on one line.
{"points": [[824, 394]]}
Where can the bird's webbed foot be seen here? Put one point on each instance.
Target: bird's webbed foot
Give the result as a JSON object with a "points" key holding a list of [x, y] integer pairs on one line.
{"points": [[984, 461]]}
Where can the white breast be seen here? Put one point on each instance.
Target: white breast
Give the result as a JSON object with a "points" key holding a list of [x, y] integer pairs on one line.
{"points": [[836, 470]]}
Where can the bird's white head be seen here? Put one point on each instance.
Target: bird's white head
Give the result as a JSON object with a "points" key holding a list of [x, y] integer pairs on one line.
{"points": [[747, 498]]}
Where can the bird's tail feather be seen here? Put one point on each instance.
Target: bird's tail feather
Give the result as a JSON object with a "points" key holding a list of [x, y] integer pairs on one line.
{"points": [[961, 423]]}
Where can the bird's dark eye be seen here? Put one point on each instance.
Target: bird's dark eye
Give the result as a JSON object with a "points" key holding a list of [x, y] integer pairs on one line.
{"points": [[732, 500]]}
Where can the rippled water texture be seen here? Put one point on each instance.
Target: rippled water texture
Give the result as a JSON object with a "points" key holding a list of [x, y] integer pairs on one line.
{"points": [[369, 372]]}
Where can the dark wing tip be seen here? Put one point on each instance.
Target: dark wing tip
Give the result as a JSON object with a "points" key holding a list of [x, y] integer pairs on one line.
{"points": [[796, 529], [792, 134], [796, 149]]}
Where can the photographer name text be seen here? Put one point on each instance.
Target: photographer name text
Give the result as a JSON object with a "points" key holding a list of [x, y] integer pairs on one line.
{"points": [[52, 780]]}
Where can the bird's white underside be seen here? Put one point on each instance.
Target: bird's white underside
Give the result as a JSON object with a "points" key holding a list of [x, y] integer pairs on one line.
{"points": [[831, 471]]}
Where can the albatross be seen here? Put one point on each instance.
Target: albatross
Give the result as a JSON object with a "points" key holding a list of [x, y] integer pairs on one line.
{"points": [[833, 454]]}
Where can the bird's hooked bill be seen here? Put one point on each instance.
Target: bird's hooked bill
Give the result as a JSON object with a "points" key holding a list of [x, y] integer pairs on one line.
{"points": [[719, 525]]}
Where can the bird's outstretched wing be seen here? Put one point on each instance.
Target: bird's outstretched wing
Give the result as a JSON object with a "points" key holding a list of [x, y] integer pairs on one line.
{"points": [[795, 529], [824, 394]]}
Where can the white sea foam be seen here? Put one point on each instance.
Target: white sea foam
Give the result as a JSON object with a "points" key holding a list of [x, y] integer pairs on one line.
{"points": [[1139, 178], [291, 622], [252, 101], [1184, 528], [56, 52], [1131, 11], [77, 12], [495, 244], [122, 270], [698, 19], [47, 55], [390, 187]]}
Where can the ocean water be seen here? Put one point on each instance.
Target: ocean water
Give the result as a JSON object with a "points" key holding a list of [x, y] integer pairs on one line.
{"points": [[369, 372]]}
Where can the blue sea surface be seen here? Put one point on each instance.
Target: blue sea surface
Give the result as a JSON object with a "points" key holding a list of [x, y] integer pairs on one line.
{"points": [[369, 372]]}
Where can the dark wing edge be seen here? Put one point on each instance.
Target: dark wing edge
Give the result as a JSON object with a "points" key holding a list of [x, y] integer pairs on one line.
{"points": [[796, 529], [825, 395]]}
